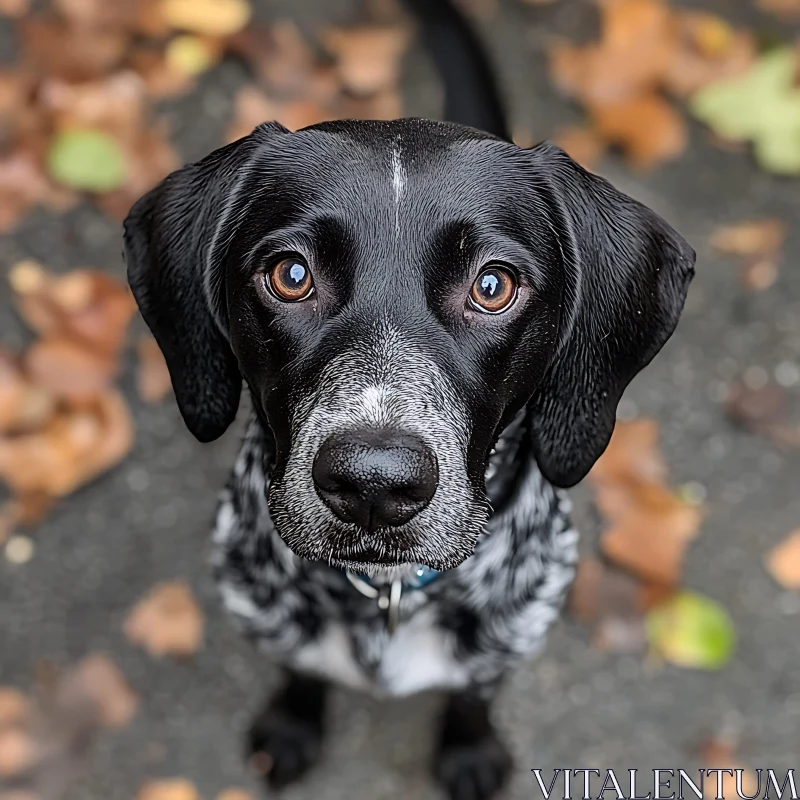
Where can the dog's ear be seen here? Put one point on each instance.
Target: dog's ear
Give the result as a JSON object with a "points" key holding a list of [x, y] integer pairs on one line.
{"points": [[626, 274], [176, 239]]}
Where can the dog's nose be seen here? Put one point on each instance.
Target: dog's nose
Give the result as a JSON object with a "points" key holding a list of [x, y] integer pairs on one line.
{"points": [[375, 478]]}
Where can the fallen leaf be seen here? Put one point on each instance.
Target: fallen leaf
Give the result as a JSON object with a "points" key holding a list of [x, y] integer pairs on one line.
{"points": [[633, 452], [649, 526], [691, 630], [584, 145], [23, 406], [96, 681], [650, 537], [783, 562], [72, 449], [192, 55], [762, 106], [367, 58], [235, 794], [787, 8], [207, 17], [18, 752], [646, 127], [636, 47], [14, 8], [69, 371], [153, 382], [709, 49], [757, 275], [15, 708], [167, 621], [252, 107], [762, 411], [750, 238], [88, 160], [172, 789]]}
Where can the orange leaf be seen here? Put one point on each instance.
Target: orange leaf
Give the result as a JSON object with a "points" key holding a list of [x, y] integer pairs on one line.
{"points": [[18, 752], [582, 144], [751, 238], [167, 621], [15, 708], [632, 453], [783, 562], [69, 371], [172, 789], [235, 794], [97, 680], [647, 128], [23, 407], [152, 376], [367, 58]]}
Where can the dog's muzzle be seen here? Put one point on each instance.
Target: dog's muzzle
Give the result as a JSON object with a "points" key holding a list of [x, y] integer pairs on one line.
{"points": [[375, 478]]}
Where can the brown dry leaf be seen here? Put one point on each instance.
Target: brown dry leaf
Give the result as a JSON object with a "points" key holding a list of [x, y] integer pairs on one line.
{"points": [[763, 411], [649, 528], [170, 789], [709, 50], [637, 45], [783, 562], [786, 8], [385, 104], [367, 58], [96, 681], [85, 305], [252, 107], [206, 17], [750, 238], [647, 128], [23, 406], [14, 8], [235, 794], [69, 371], [758, 274], [633, 452], [166, 621], [650, 534], [153, 382], [15, 708], [18, 752], [70, 450], [582, 144], [19, 794], [57, 48]]}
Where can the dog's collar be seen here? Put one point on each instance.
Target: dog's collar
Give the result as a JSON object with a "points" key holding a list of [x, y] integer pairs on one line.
{"points": [[388, 595]]}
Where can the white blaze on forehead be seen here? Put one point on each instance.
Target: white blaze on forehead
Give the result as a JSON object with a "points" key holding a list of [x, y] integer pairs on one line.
{"points": [[398, 182]]}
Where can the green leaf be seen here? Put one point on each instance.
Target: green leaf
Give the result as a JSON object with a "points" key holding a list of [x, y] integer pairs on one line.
{"points": [[691, 630], [88, 160], [761, 106]]}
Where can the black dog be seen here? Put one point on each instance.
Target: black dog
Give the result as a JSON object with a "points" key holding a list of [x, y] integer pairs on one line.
{"points": [[435, 326]]}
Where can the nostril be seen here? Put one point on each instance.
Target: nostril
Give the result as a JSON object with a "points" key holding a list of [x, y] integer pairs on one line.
{"points": [[375, 478]]}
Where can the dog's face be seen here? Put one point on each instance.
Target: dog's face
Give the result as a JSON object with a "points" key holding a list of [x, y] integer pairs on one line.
{"points": [[393, 294]]}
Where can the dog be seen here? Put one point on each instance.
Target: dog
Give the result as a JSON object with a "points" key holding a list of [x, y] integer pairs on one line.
{"points": [[435, 327]]}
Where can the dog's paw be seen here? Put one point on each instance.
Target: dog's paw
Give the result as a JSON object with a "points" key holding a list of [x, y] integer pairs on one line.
{"points": [[474, 771], [283, 747]]}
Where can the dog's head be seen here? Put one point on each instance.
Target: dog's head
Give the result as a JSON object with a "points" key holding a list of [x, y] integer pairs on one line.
{"points": [[394, 293]]}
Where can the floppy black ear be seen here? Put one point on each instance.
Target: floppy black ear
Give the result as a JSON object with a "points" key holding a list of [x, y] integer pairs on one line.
{"points": [[626, 274], [175, 244]]}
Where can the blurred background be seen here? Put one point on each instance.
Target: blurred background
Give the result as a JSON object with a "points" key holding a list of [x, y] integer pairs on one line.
{"points": [[120, 677]]}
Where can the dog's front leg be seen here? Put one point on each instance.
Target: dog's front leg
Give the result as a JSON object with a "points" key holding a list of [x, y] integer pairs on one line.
{"points": [[286, 736], [471, 762]]}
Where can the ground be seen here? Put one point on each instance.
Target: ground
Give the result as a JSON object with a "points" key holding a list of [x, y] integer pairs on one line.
{"points": [[149, 519]]}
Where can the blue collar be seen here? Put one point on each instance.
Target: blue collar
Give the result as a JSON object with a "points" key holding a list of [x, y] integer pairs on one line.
{"points": [[419, 579]]}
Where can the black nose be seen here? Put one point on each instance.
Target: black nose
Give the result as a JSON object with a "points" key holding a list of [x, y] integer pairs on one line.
{"points": [[375, 478]]}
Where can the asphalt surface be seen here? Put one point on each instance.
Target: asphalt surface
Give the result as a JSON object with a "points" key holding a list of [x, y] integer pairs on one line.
{"points": [[149, 520]]}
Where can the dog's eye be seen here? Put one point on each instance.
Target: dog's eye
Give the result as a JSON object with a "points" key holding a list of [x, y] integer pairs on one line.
{"points": [[290, 280], [494, 290]]}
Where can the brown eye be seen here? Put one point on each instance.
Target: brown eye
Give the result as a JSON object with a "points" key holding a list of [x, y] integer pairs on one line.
{"points": [[494, 290], [290, 280]]}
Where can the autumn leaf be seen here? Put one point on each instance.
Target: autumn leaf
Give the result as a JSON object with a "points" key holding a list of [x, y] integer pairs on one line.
{"points": [[762, 106], [691, 630], [153, 382], [171, 789], [97, 681], [207, 17], [167, 621], [783, 562], [89, 160], [583, 144], [23, 405], [18, 752], [762, 411], [367, 58], [750, 238], [235, 794], [15, 708]]}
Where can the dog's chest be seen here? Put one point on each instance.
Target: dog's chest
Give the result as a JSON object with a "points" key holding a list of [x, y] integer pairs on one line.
{"points": [[419, 655]]}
